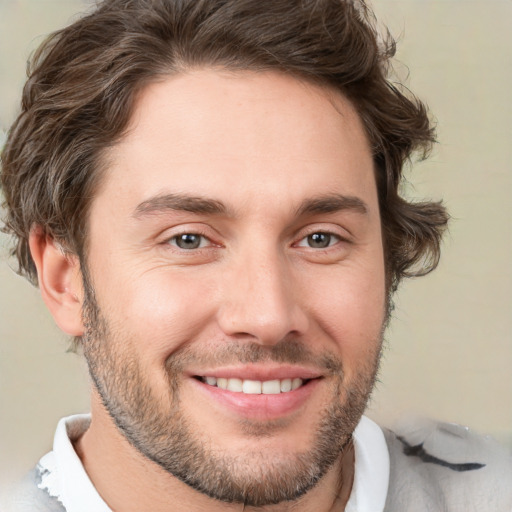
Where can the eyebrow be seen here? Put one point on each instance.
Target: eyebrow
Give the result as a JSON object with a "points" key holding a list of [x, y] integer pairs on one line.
{"points": [[332, 203], [179, 202], [160, 204]]}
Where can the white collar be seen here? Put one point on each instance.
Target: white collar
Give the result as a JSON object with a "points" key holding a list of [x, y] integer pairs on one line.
{"points": [[371, 474], [64, 477]]}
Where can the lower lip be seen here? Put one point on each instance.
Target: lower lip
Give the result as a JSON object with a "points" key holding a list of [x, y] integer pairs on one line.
{"points": [[260, 407]]}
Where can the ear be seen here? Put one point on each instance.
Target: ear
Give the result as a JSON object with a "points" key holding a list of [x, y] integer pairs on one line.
{"points": [[60, 281]]}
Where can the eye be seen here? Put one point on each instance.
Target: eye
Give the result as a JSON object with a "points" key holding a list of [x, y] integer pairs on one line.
{"points": [[319, 240], [189, 241]]}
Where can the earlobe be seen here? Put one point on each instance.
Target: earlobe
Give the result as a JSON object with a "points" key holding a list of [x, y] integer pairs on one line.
{"points": [[60, 281]]}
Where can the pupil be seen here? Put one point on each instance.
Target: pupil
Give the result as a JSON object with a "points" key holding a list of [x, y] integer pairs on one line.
{"points": [[319, 240], [188, 241]]}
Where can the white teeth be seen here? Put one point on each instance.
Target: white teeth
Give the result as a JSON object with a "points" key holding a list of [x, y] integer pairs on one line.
{"points": [[235, 385], [252, 387], [286, 385], [255, 387], [296, 383], [271, 387]]}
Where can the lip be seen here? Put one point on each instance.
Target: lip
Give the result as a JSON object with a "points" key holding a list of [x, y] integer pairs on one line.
{"points": [[260, 407], [262, 373]]}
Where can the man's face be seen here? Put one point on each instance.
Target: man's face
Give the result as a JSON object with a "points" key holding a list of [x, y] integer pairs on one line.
{"points": [[236, 259]]}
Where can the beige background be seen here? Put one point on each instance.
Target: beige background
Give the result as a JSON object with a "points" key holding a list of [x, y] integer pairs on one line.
{"points": [[450, 342]]}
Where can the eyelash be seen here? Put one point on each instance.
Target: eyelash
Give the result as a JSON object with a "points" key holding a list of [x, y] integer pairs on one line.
{"points": [[204, 238], [174, 240], [332, 237]]}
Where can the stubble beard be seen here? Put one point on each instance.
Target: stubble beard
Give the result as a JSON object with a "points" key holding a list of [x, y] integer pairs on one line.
{"points": [[159, 430]]}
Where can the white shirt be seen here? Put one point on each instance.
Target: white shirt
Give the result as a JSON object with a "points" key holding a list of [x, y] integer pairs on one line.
{"points": [[64, 477]]}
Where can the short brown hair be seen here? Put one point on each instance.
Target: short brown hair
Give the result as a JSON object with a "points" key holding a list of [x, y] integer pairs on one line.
{"points": [[84, 79]]}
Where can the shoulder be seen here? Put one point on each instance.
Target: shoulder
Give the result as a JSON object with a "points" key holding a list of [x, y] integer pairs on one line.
{"points": [[446, 467], [26, 496]]}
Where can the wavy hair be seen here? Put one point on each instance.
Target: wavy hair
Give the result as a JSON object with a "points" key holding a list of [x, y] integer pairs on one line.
{"points": [[84, 79]]}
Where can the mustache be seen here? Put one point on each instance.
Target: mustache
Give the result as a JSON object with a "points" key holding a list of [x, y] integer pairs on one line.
{"points": [[235, 352]]}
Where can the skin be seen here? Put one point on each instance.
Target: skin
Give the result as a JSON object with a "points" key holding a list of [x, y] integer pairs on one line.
{"points": [[262, 145]]}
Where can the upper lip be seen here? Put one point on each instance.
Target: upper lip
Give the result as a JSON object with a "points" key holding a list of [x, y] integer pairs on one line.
{"points": [[259, 372]]}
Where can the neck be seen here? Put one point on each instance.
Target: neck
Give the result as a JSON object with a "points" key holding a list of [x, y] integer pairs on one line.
{"points": [[113, 465]]}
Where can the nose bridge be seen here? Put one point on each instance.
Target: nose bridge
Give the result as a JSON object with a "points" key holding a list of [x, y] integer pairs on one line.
{"points": [[258, 297]]}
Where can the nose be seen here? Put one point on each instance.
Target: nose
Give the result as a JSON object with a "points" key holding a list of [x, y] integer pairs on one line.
{"points": [[259, 300]]}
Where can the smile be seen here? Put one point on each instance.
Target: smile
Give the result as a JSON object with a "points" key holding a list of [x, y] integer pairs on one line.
{"points": [[255, 387], [257, 392]]}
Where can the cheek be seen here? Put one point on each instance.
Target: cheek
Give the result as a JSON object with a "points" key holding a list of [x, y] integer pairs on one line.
{"points": [[350, 309], [157, 311]]}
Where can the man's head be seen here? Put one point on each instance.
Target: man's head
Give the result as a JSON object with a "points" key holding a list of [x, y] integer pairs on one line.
{"points": [[85, 79], [210, 194]]}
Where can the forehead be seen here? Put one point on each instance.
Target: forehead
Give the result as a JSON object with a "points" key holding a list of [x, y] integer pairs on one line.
{"points": [[237, 137]]}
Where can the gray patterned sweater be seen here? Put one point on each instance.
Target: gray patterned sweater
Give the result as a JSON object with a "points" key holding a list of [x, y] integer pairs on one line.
{"points": [[434, 467]]}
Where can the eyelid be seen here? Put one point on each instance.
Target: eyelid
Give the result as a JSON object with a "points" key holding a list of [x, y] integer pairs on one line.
{"points": [[174, 241], [337, 238], [189, 229], [342, 234]]}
